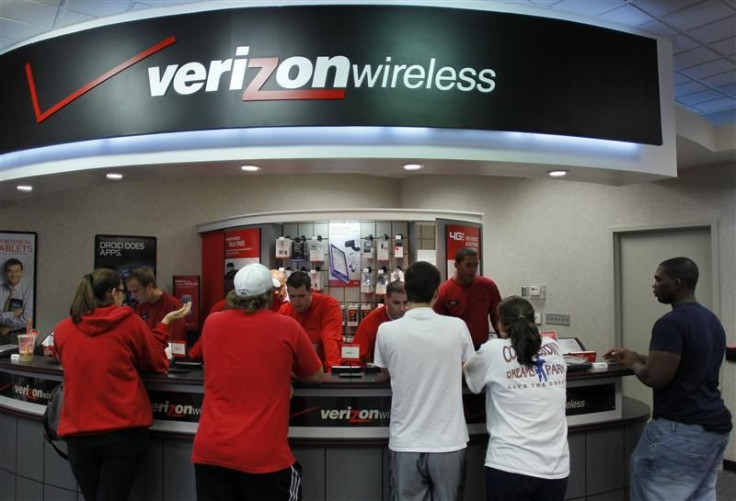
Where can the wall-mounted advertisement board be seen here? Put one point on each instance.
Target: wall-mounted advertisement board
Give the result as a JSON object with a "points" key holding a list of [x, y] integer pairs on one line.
{"points": [[18, 284], [122, 254], [459, 236]]}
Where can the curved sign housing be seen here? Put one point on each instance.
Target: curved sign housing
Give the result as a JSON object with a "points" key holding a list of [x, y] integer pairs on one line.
{"points": [[333, 66]]}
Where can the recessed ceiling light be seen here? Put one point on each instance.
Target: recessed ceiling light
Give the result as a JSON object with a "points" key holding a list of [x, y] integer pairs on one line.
{"points": [[114, 176], [250, 168], [557, 173], [24, 187], [413, 166]]}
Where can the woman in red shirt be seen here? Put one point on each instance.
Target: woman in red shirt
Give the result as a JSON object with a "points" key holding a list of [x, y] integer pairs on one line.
{"points": [[103, 346]]}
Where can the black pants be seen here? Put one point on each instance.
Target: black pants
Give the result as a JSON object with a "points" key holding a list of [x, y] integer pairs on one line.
{"points": [[505, 486], [106, 464], [215, 483]]}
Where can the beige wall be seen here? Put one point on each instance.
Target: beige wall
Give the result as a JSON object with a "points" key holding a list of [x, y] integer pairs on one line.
{"points": [[170, 210], [560, 234], [552, 232]]}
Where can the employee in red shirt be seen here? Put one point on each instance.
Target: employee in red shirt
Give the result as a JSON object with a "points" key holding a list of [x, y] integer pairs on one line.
{"points": [[104, 347], [241, 449], [318, 314], [153, 303], [395, 306], [470, 297], [279, 291]]}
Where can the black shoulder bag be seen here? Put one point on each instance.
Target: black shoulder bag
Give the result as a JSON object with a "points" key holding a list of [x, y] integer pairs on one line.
{"points": [[51, 417]]}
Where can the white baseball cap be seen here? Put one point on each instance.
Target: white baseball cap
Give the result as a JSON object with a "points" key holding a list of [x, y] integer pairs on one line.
{"points": [[253, 280]]}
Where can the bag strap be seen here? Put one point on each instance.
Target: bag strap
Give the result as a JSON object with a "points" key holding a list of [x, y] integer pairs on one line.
{"points": [[47, 433], [59, 451]]}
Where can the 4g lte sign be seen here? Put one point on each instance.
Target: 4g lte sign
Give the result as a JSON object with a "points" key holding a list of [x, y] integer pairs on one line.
{"points": [[459, 236]]}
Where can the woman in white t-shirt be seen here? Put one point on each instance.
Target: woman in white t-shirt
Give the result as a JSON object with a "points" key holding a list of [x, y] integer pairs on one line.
{"points": [[525, 380]]}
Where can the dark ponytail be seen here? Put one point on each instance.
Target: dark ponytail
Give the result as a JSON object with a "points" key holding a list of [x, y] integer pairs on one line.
{"points": [[92, 292], [517, 316]]}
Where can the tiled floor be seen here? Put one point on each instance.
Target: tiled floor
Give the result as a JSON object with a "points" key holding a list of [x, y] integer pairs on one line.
{"points": [[726, 486]]}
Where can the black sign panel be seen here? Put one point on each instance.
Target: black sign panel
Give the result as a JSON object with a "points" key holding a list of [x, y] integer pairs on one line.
{"points": [[340, 411], [175, 406], [333, 66], [589, 399], [28, 389], [123, 254]]}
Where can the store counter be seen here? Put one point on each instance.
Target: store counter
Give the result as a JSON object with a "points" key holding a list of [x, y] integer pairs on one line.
{"points": [[338, 430]]}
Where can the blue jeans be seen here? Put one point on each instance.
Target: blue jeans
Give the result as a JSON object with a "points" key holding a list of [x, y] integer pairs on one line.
{"points": [[676, 462]]}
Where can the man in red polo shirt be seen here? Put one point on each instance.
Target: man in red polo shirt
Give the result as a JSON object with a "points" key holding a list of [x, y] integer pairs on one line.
{"points": [[470, 297], [279, 292], [153, 303], [318, 314], [395, 306]]}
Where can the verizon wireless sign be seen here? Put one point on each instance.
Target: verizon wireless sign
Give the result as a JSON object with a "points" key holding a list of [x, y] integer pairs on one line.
{"points": [[298, 77], [332, 66]]}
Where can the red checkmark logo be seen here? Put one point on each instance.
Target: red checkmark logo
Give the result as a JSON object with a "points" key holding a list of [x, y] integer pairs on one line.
{"points": [[41, 116]]}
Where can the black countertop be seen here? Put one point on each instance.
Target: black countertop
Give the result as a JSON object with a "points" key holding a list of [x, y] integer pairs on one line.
{"points": [[195, 376]]}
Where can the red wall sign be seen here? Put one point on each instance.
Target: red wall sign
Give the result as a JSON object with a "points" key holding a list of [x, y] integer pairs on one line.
{"points": [[459, 236], [243, 247]]}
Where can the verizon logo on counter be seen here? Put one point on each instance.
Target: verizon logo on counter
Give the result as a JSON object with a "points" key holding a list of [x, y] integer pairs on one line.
{"points": [[174, 410], [355, 416], [338, 411], [173, 406], [29, 393]]}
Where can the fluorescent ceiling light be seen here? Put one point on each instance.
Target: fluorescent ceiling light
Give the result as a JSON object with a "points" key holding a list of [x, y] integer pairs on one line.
{"points": [[250, 168], [557, 173], [25, 187], [114, 176], [413, 166]]}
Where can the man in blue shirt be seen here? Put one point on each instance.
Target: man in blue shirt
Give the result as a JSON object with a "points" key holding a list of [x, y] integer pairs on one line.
{"points": [[678, 454]]}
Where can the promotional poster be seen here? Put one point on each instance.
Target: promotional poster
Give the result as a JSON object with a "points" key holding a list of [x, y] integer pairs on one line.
{"points": [[123, 254], [242, 247], [18, 288], [344, 254], [459, 236]]}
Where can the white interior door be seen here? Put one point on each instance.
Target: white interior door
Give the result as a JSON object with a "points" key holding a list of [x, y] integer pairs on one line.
{"points": [[639, 253]]}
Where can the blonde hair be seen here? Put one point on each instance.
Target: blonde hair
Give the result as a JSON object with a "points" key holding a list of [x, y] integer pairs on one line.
{"points": [[249, 304]]}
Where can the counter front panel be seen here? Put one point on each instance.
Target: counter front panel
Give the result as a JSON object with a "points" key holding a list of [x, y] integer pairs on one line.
{"points": [[339, 409]]}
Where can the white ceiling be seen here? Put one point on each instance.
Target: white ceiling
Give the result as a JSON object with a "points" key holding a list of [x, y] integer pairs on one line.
{"points": [[703, 34]]}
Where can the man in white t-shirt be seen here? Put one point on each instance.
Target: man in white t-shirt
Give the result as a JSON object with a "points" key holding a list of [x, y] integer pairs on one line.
{"points": [[423, 352]]}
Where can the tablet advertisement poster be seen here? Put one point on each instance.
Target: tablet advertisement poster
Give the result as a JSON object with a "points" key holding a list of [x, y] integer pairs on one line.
{"points": [[18, 284], [344, 254]]}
